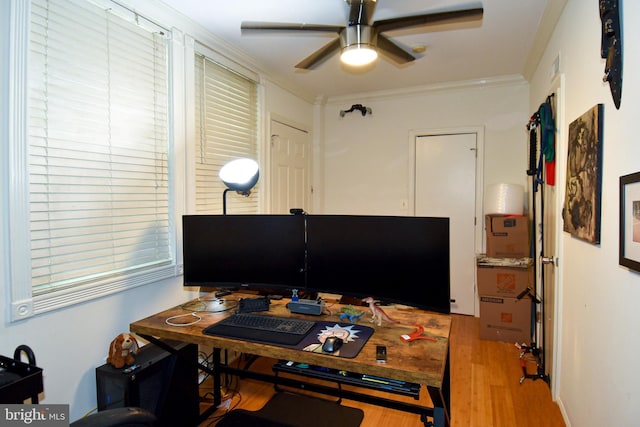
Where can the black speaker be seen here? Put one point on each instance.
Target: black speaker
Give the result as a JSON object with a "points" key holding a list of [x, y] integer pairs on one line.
{"points": [[163, 383]]}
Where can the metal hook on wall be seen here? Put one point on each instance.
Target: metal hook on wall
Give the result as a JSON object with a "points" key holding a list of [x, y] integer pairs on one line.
{"points": [[364, 110]]}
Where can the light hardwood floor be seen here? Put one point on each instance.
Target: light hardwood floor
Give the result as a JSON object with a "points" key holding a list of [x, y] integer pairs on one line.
{"points": [[485, 388]]}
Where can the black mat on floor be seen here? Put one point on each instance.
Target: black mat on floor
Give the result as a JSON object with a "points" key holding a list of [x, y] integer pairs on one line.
{"points": [[294, 410]]}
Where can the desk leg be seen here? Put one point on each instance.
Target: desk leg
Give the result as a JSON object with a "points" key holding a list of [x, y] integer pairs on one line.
{"points": [[440, 418], [441, 398], [217, 383]]}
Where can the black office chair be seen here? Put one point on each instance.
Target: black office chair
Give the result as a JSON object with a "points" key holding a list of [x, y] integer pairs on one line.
{"points": [[118, 417]]}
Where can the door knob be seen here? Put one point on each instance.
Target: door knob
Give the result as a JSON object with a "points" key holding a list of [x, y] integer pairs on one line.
{"points": [[548, 260]]}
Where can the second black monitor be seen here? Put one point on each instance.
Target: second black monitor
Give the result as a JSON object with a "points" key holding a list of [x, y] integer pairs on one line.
{"points": [[394, 259]]}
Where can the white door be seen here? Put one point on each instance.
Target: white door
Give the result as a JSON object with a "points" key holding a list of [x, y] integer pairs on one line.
{"points": [[445, 186], [290, 160]]}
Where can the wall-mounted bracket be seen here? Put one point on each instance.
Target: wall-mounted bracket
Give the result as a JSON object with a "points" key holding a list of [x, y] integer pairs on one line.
{"points": [[359, 107]]}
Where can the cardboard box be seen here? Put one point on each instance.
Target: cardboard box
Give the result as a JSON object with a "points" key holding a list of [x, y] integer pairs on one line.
{"points": [[501, 281], [507, 236], [505, 319]]}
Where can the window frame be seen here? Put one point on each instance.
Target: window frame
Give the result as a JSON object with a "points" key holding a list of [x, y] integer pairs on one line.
{"points": [[23, 302]]}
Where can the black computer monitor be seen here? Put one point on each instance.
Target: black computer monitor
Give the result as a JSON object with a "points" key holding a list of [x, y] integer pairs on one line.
{"points": [[244, 251], [394, 259]]}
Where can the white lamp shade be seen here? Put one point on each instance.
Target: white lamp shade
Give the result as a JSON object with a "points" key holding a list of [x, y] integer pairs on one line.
{"points": [[240, 175]]}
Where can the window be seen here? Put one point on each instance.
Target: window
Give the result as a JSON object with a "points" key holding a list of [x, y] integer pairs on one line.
{"points": [[97, 211], [226, 129]]}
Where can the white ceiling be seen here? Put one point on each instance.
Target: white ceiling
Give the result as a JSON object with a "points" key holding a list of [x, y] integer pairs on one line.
{"points": [[505, 43]]}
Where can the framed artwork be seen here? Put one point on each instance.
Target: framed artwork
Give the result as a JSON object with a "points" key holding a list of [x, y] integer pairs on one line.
{"points": [[583, 193], [630, 221]]}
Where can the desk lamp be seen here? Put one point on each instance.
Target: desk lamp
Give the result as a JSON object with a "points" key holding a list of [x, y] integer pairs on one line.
{"points": [[239, 175]]}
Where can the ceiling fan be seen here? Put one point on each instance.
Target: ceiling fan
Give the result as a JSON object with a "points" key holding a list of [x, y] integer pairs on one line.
{"points": [[360, 39]]}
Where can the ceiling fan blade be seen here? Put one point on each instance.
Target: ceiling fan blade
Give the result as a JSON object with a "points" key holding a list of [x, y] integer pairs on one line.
{"points": [[277, 26], [361, 11], [394, 51], [451, 17], [319, 55]]}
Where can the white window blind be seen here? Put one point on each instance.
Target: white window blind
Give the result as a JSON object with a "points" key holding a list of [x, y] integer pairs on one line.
{"points": [[97, 152], [226, 129]]}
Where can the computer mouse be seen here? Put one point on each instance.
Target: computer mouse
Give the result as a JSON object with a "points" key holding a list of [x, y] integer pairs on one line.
{"points": [[332, 344]]}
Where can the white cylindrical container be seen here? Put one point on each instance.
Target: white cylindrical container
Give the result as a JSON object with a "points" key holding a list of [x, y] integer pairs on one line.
{"points": [[506, 199]]}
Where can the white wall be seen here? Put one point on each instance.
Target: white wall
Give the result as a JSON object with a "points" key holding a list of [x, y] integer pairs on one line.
{"points": [[285, 105], [70, 343], [598, 383], [365, 161]]}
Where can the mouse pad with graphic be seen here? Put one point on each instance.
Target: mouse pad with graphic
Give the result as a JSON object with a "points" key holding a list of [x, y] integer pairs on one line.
{"points": [[354, 337]]}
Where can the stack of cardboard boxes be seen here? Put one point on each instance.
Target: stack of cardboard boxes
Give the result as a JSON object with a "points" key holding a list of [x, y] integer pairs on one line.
{"points": [[502, 275]]}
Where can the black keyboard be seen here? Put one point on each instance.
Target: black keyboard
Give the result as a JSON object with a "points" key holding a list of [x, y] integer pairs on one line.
{"points": [[262, 328]]}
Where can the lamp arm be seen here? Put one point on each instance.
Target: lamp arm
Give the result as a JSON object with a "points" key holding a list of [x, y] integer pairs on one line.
{"points": [[224, 201]]}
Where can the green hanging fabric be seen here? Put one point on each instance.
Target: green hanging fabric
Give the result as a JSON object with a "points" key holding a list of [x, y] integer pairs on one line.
{"points": [[547, 141]]}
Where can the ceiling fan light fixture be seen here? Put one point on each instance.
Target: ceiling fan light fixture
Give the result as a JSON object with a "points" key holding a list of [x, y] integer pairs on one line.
{"points": [[362, 37], [358, 55], [358, 45]]}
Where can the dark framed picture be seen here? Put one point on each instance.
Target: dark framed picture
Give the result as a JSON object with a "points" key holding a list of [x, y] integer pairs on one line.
{"points": [[630, 221], [583, 193]]}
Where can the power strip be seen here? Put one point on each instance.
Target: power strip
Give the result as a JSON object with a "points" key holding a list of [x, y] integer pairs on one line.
{"points": [[314, 307]]}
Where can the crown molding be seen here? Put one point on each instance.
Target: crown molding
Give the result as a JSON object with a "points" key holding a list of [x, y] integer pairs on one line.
{"points": [[507, 80]]}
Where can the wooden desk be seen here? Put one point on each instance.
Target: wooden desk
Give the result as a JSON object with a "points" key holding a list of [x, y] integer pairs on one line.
{"points": [[422, 361]]}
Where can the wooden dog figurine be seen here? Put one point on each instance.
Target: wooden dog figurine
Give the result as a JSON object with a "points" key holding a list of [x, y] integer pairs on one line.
{"points": [[121, 351]]}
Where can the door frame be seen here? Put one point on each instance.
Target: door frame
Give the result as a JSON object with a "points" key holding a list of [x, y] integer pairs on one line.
{"points": [[558, 87], [479, 223]]}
